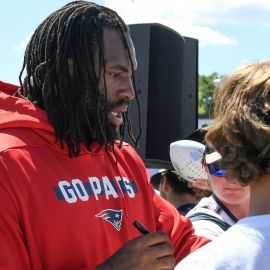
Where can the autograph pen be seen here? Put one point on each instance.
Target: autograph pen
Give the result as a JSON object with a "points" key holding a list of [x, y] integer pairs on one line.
{"points": [[140, 227]]}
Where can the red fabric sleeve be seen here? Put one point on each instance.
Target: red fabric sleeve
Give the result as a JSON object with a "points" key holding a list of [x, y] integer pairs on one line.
{"points": [[178, 228], [13, 253]]}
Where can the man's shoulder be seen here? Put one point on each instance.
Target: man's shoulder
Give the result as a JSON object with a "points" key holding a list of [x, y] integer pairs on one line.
{"points": [[8, 140], [14, 138], [125, 147], [8, 88]]}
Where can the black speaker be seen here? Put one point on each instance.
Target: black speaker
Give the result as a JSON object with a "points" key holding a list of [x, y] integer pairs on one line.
{"points": [[167, 84]]}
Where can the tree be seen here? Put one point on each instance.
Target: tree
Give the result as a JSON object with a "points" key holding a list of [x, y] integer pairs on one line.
{"points": [[207, 87]]}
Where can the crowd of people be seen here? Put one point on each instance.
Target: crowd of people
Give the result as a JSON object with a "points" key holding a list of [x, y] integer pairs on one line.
{"points": [[71, 189]]}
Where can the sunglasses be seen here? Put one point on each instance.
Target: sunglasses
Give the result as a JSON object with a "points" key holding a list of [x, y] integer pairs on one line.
{"points": [[215, 169]]}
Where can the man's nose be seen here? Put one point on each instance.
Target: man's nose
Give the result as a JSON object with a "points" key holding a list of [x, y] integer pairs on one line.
{"points": [[127, 91]]}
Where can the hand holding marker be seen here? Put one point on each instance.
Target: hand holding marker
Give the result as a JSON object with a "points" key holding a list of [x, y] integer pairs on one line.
{"points": [[140, 227]]}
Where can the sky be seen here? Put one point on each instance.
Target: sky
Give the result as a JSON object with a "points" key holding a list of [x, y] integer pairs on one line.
{"points": [[231, 33]]}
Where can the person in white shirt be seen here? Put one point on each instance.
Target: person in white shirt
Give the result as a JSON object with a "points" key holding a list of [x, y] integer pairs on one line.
{"points": [[241, 134]]}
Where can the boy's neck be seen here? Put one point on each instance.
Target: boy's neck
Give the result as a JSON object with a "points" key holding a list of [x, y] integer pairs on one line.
{"points": [[260, 196]]}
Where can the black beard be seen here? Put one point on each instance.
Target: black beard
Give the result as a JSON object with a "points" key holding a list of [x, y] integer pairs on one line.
{"points": [[116, 132], [112, 132], [110, 106]]}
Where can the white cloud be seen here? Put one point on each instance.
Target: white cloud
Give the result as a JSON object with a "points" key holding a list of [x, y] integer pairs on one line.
{"points": [[206, 35], [23, 44], [192, 18], [195, 18]]}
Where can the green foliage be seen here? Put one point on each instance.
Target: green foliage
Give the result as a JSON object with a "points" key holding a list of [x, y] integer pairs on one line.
{"points": [[207, 87]]}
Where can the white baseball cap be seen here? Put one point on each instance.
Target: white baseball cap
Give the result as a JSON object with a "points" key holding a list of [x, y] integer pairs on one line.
{"points": [[186, 157]]}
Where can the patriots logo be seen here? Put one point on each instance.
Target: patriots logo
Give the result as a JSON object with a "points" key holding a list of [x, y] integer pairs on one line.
{"points": [[195, 155], [112, 216]]}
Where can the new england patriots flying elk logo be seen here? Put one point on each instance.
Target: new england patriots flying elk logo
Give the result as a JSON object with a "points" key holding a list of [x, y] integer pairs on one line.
{"points": [[112, 216]]}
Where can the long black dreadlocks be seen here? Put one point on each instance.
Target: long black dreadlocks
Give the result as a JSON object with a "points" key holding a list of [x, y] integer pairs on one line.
{"points": [[71, 97]]}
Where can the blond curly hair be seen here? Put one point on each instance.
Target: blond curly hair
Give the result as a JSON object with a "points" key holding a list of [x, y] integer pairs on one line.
{"points": [[241, 130]]}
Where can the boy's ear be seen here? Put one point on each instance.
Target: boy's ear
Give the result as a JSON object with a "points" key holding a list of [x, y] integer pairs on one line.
{"points": [[165, 185]]}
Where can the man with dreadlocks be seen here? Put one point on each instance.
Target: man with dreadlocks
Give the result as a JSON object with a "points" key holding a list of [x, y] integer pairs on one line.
{"points": [[70, 188]]}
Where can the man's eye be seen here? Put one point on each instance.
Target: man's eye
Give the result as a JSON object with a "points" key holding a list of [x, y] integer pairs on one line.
{"points": [[113, 74]]}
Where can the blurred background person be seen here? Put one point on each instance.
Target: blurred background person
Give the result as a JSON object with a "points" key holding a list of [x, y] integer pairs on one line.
{"points": [[198, 135], [174, 189], [186, 157], [156, 178], [201, 187]]}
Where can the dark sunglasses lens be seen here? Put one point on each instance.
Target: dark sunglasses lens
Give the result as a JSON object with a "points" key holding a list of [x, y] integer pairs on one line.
{"points": [[214, 169]]}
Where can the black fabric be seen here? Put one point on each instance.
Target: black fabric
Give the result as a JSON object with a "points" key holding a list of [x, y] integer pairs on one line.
{"points": [[184, 209]]}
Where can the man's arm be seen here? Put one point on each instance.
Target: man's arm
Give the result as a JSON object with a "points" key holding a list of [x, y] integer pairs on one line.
{"points": [[167, 219], [13, 252], [178, 228]]}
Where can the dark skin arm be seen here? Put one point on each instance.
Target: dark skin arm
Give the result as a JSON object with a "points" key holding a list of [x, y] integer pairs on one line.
{"points": [[152, 251]]}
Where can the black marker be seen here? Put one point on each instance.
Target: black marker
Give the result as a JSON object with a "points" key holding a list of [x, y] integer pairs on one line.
{"points": [[140, 227]]}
